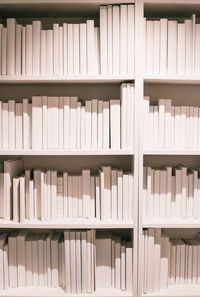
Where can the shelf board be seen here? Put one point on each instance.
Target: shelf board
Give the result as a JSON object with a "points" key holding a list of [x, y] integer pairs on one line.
{"points": [[7, 79], [172, 79], [41, 292], [66, 153], [171, 223], [172, 152], [73, 223], [177, 290]]}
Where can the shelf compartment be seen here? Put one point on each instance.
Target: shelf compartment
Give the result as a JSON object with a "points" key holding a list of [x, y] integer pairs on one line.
{"points": [[48, 292], [73, 223]]}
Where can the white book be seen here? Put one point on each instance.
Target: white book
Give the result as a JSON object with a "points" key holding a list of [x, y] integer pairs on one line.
{"points": [[36, 26], [84, 261], [61, 122], [21, 258], [161, 121], [31, 197], [97, 196], [150, 261], [123, 90], [106, 193], [83, 50], [188, 47], [123, 38], [73, 261], [48, 251], [163, 193], [172, 47], [164, 262], [88, 124], [76, 47], [36, 122], [16, 201], [197, 48], [181, 49], [54, 259], [50, 52], [123, 266], [55, 48], [110, 39], [65, 191], [60, 51], [150, 201], [23, 48], [178, 192], [30, 124], [5, 266], [103, 260], [195, 128], [129, 267], [118, 263], [177, 123], [11, 37], [130, 196], [70, 49], [29, 50], [97, 50], [113, 261], [155, 127], [191, 127], [53, 193], [18, 50], [86, 192], [82, 127], [147, 137], [78, 125], [52, 122], [157, 259], [183, 127], [80, 197], [43, 46], [66, 102], [74, 197], [184, 192], [149, 47], [3, 237], [173, 263], [65, 48], [4, 51], [41, 259], [119, 194], [78, 261], [132, 116], [172, 132], [195, 193], [163, 46], [70, 196], [190, 203], [167, 141], [156, 193], [19, 126], [12, 259], [115, 124], [106, 123], [1, 124], [131, 38], [28, 261], [169, 192], [116, 39], [92, 197], [94, 123], [100, 124], [5, 125], [156, 47], [151, 127], [103, 14], [90, 46], [22, 199], [11, 124], [26, 125], [114, 202], [37, 173], [44, 122], [125, 197], [73, 122]]}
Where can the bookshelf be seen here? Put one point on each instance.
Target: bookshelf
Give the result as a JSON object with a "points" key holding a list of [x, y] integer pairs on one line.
{"points": [[86, 87]]}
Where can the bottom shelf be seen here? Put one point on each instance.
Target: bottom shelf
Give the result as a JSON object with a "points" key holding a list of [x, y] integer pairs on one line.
{"points": [[178, 290], [48, 292]]}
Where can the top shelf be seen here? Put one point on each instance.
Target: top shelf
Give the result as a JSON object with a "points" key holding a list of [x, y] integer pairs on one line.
{"points": [[63, 80]]}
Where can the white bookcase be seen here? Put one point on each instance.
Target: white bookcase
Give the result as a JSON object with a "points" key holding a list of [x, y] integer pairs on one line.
{"points": [[178, 88]]}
